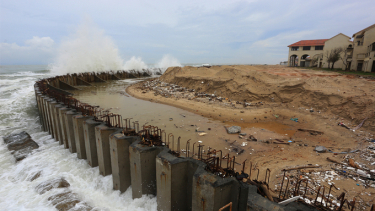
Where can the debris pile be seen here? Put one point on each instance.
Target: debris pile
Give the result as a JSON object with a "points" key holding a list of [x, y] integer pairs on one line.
{"points": [[316, 185], [172, 90]]}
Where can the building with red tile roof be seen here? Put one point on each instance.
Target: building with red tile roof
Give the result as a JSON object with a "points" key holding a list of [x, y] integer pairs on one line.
{"points": [[309, 43], [310, 53]]}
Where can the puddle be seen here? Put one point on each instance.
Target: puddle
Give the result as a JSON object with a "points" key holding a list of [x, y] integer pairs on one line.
{"points": [[184, 124]]}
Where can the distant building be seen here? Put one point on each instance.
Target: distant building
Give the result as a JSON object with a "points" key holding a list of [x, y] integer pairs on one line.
{"points": [[363, 50], [311, 53], [284, 63]]}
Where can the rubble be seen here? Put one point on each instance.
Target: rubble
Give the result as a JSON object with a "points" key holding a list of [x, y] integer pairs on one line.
{"points": [[234, 129], [167, 90]]}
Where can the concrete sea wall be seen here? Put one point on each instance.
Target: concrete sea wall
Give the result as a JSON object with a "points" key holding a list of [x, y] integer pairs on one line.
{"points": [[140, 158]]}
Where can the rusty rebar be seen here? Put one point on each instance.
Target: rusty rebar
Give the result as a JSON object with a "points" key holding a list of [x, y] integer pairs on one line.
{"points": [[187, 148], [286, 189], [170, 135]]}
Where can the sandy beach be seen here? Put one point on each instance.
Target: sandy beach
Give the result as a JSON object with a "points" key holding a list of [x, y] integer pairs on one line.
{"points": [[264, 101]]}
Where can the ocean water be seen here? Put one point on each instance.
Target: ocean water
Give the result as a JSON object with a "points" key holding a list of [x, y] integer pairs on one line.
{"points": [[18, 112]]}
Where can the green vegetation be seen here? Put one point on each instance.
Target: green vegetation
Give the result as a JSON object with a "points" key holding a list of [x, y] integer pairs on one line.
{"points": [[337, 70]]}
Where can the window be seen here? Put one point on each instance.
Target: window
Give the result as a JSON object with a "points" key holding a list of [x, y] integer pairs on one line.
{"points": [[320, 47], [295, 48], [306, 48], [373, 46]]}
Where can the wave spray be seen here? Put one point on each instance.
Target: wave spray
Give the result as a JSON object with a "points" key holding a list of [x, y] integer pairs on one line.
{"points": [[167, 61], [88, 49]]}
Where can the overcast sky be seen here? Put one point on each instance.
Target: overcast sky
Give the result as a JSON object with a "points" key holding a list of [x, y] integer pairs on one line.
{"points": [[193, 31]]}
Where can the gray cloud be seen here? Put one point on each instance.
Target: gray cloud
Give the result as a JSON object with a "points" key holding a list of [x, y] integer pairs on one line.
{"points": [[193, 31], [37, 50]]}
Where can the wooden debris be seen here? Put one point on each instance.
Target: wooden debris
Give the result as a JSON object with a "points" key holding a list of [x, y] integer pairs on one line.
{"points": [[312, 132], [280, 143], [301, 167], [335, 161]]}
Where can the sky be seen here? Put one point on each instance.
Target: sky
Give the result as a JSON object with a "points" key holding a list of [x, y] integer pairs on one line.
{"points": [[193, 31]]}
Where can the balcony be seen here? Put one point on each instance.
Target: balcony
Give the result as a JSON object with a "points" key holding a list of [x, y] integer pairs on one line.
{"points": [[361, 56]]}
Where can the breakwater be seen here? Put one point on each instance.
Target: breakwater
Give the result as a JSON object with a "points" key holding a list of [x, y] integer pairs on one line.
{"points": [[144, 157]]}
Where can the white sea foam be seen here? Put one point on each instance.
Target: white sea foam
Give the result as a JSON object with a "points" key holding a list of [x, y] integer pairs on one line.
{"points": [[88, 49], [22, 74], [53, 161], [135, 63], [18, 112]]}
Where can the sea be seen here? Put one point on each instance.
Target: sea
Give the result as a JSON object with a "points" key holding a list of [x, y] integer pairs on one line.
{"points": [[18, 112]]}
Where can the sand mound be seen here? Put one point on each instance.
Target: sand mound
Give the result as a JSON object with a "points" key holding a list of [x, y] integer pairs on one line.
{"points": [[350, 98]]}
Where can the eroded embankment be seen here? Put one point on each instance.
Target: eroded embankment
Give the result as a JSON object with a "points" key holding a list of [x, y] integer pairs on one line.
{"points": [[257, 96], [351, 99]]}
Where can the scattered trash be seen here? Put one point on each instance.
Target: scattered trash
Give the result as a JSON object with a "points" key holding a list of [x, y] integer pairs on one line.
{"points": [[320, 149], [200, 142], [343, 125], [285, 202], [294, 119], [252, 138], [170, 119], [360, 125], [182, 115], [277, 116], [202, 134], [243, 134], [353, 164], [290, 141]]}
